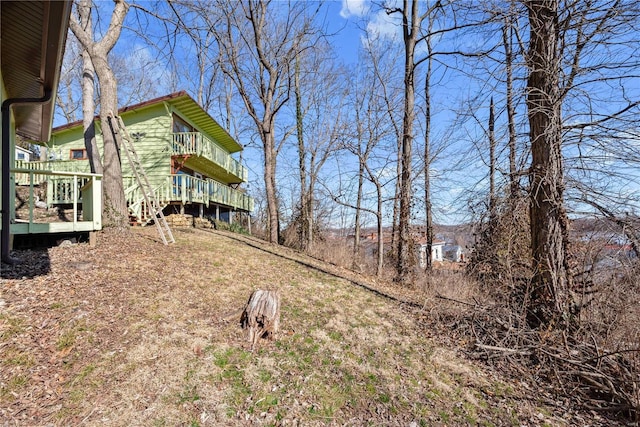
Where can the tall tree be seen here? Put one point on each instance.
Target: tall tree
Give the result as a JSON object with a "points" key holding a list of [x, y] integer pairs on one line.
{"points": [[372, 137], [492, 160], [320, 93], [258, 44], [508, 29], [304, 221], [88, 88], [549, 294], [411, 22], [114, 202], [427, 155], [412, 34]]}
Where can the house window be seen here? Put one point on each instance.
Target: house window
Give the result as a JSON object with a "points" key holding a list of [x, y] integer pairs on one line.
{"points": [[180, 125], [78, 154], [21, 156]]}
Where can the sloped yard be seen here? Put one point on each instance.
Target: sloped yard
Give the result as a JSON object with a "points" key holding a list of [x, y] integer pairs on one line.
{"points": [[132, 332]]}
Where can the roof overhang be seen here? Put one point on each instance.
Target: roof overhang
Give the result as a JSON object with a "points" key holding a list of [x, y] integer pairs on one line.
{"points": [[194, 112], [188, 107], [33, 35]]}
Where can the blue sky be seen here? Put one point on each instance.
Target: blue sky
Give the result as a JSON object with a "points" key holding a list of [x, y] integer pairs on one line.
{"points": [[461, 170]]}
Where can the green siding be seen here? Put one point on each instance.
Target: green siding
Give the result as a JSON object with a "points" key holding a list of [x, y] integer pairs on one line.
{"points": [[151, 129], [154, 147]]}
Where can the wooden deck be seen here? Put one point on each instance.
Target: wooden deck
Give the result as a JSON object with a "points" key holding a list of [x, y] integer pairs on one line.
{"points": [[79, 196]]}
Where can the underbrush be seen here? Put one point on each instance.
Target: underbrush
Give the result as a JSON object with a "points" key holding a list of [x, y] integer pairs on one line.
{"points": [[594, 367], [233, 227]]}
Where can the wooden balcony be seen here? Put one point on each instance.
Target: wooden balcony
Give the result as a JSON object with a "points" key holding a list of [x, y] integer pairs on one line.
{"points": [[196, 144], [79, 193], [187, 189]]}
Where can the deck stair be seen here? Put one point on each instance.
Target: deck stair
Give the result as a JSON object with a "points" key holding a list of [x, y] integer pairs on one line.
{"points": [[155, 210]]}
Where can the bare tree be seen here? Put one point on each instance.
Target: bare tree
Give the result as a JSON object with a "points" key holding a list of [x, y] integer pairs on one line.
{"points": [[413, 34], [257, 46], [492, 160], [508, 30], [320, 93], [114, 203], [411, 23], [427, 155], [549, 223], [88, 88], [575, 120], [304, 217], [372, 138]]}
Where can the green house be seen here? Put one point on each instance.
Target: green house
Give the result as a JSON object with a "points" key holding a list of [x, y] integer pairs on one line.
{"points": [[185, 153], [32, 41]]}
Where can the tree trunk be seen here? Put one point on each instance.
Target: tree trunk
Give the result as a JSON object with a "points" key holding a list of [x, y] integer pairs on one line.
{"points": [[428, 208], [115, 213], [309, 214], [549, 294], [511, 114], [356, 237], [114, 203], [302, 166], [88, 87], [261, 316], [492, 163], [380, 241], [410, 32], [273, 217]]}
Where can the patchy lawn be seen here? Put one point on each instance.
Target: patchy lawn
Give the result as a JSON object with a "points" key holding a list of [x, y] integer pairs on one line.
{"points": [[132, 332]]}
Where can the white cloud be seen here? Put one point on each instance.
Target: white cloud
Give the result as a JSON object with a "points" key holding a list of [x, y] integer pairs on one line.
{"points": [[385, 26], [354, 8]]}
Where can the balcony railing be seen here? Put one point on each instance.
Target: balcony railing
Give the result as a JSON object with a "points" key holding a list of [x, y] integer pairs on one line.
{"points": [[195, 143], [81, 191], [187, 189]]}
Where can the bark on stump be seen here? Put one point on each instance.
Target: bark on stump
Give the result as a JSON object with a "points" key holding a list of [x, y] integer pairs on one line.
{"points": [[261, 316]]}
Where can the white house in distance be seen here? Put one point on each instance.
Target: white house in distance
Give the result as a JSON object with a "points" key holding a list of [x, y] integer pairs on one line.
{"points": [[23, 154], [437, 252]]}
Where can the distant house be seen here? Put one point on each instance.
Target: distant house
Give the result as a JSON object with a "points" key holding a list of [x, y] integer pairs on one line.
{"points": [[454, 253], [185, 153], [23, 154], [437, 252]]}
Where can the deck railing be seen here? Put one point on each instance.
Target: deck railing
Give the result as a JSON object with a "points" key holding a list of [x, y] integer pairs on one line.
{"points": [[187, 189], [81, 191], [48, 165], [195, 143]]}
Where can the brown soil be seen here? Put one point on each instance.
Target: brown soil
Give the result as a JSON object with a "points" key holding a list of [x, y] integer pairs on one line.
{"points": [[132, 332]]}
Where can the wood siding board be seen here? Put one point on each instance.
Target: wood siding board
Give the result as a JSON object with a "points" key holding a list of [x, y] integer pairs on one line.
{"points": [[153, 124]]}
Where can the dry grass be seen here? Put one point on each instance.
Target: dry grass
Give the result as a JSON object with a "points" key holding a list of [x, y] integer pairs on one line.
{"points": [[135, 333]]}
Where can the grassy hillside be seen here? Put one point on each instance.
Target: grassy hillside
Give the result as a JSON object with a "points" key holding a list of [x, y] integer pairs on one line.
{"points": [[132, 332]]}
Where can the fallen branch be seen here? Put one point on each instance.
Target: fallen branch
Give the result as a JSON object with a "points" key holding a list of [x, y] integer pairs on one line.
{"points": [[504, 349]]}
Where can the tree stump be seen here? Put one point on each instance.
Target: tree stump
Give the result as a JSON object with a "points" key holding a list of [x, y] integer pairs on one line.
{"points": [[261, 316]]}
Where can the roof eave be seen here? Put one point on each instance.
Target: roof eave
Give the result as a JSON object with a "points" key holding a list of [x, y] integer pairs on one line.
{"points": [[173, 99], [34, 121]]}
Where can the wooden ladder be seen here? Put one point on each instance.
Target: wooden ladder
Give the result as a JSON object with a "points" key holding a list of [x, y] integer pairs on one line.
{"points": [[118, 127]]}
